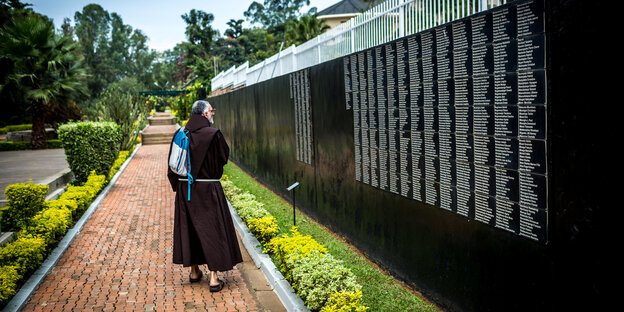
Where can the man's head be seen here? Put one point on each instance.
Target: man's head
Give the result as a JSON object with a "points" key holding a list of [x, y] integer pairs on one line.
{"points": [[203, 108]]}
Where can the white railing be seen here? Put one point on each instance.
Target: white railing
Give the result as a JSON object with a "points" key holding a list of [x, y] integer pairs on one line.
{"points": [[385, 22]]}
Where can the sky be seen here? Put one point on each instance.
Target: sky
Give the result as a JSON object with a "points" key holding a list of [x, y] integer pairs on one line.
{"points": [[159, 19]]}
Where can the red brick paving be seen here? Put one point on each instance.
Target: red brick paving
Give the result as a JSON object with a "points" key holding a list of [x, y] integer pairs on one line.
{"points": [[121, 260]]}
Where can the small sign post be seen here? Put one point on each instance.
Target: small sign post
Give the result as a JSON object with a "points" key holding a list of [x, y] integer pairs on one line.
{"points": [[292, 188]]}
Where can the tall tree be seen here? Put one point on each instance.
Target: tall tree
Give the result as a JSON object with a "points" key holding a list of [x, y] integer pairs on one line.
{"points": [[43, 66], [201, 40], [274, 13], [92, 29], [235, 30]]}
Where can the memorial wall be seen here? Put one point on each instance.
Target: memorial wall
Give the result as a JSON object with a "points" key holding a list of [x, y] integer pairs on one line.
{"points": [[462, 159], [455, 117]]}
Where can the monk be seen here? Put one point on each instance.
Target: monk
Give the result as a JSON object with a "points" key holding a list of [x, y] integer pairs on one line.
{"points": [[203, 228]]}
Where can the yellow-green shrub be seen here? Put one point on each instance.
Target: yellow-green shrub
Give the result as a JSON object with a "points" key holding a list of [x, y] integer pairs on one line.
{"points": [[79, 195], [49, 224], [70, 205], [95, 183], [8, 283], [230, 189], [83, 195], [288, 248], [316, 276], [264, 228], [344, 302], [24, 201], [26, 253], [123, 155]]}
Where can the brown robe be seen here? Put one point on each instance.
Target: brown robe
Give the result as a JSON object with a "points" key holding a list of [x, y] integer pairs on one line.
{"points": [[203, 230]]}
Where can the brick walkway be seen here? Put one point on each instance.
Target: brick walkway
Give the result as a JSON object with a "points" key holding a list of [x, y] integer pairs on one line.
{"points": [[122, 258]]}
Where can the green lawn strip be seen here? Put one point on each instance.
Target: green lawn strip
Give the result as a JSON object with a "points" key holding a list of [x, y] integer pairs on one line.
{"points": [[381, 292]]}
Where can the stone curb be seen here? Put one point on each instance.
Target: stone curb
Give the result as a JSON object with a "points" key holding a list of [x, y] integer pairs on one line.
{"points": [[280, 285], [21, 298]]}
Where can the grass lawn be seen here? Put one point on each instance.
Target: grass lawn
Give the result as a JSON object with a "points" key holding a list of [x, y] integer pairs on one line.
{"points": [[381, 292]]}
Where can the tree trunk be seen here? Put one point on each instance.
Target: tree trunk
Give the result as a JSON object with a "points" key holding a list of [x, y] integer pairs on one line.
{"points": [[39, 136]]}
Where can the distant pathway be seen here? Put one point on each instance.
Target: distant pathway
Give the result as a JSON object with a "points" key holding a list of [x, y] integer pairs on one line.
{"points": [[122, 258]]}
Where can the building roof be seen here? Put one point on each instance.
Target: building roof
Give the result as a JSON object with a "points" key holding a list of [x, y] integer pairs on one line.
{"points": [[345, 7]]}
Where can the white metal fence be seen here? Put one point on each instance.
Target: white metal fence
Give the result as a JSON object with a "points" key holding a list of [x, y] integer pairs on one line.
{"points": [[385, 22]]}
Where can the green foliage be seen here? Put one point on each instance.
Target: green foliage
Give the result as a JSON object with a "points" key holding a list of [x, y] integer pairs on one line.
{"points": [[264, 228], [316, 276], [24, 201], [12, 128], [8, 283], [123, 155], [303, 29], [273, 13], [18, 146], [126, 109], [26, 253], [344, 302], [90, 146]]}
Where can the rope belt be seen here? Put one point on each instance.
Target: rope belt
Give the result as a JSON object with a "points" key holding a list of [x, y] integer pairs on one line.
{"points": [[201, 180]]}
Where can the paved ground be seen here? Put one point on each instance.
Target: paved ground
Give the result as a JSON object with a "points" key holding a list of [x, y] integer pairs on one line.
{"points": [[122, 259], [38, 165]]}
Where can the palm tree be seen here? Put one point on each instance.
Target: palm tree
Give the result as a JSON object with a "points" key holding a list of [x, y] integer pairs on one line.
{"points": [[304, 29], [42, 65]]}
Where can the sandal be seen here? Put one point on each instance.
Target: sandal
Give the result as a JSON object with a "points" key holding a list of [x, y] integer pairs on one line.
{"points": [[195, 280], [217, 287]]}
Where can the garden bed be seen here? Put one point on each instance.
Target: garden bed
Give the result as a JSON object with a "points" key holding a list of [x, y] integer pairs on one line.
{"points": [[40, 235], [381, 292]]}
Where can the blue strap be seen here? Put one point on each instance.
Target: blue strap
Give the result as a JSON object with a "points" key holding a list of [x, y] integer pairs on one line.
{"points": [[190, 177]]}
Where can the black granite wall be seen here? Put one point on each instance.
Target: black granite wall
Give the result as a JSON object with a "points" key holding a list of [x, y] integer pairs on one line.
{"points": [[461, 263]]}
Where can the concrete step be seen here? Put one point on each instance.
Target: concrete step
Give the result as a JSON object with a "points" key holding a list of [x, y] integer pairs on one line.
{"points": [[162, 121], [158, 134]]}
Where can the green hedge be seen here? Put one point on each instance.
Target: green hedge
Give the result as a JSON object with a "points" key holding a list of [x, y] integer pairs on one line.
{"points": [[24, 201], [12, 128], [18, 146], [90, 146]]}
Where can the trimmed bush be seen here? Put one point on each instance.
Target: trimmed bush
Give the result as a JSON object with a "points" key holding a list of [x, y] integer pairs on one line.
{"points": [[345, 302], [49, 224], [26, 253], [8, 283], [82, 195], [317, 276], [264, 228], [63, 204], [288, 248], [24, 201], [90, 146]]}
